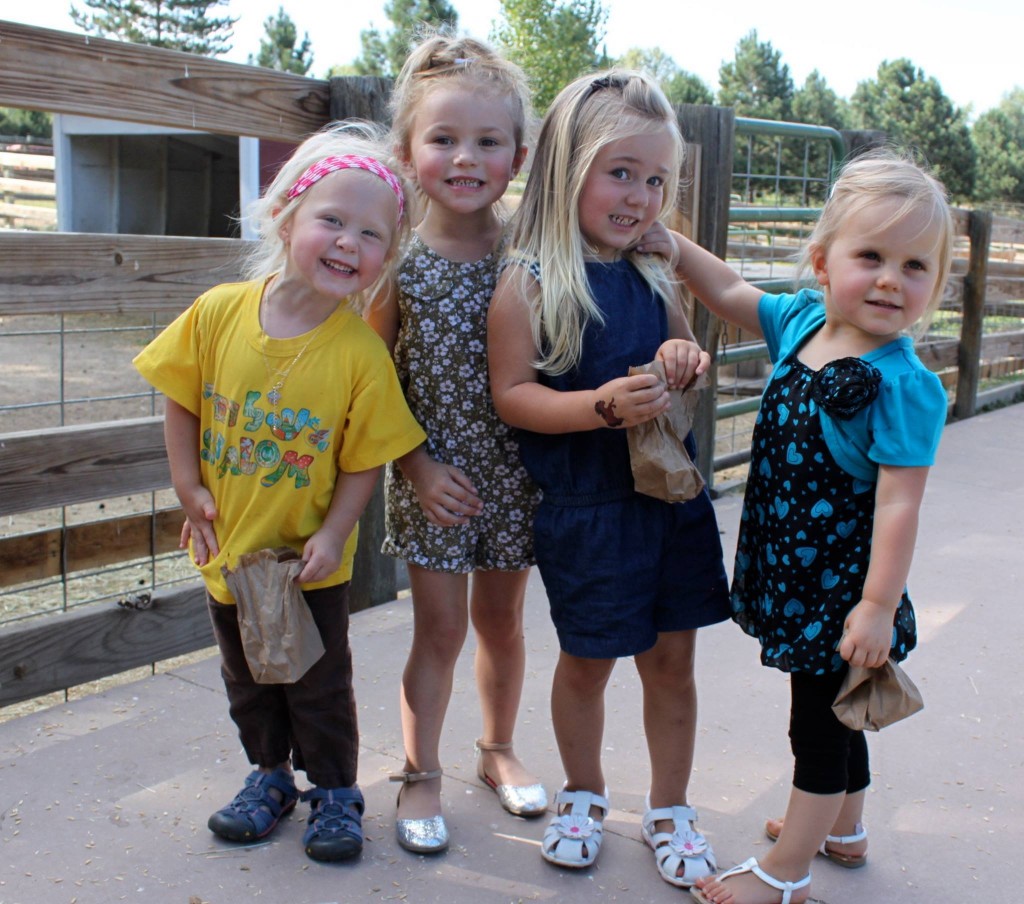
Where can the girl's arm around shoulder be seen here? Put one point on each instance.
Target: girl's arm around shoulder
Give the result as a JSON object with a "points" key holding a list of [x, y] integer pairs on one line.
{"points": [[719, 288], [522, 401], [868, 632]]}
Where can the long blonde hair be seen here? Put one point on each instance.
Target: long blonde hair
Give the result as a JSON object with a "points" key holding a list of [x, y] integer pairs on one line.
{"points": [[587, 115], [274, 209]]}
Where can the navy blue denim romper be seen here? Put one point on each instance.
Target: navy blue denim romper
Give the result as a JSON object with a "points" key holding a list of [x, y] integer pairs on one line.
{"points": [[619, 567]]}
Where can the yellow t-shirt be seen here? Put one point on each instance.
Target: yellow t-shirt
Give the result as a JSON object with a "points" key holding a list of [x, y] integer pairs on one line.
{"points": [[272, 468]]}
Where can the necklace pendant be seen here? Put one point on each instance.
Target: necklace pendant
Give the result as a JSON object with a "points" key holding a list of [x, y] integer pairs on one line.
{"points": [[273, 397]]}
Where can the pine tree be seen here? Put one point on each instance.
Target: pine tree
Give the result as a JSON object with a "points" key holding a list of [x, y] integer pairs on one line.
{"points": [[552, 43], [278, 50], [999, 137], [383, 54], [174, 24], [758, 85], [913, 111], [680, 86]]}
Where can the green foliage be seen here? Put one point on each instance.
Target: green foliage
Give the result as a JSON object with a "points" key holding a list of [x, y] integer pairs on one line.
{"points": [[913, 111], [816, 103], [18, 123], [756, 83], [999, 137], [174, 24], [277, 48], [680, 86], [384, 54], [553, 43]]}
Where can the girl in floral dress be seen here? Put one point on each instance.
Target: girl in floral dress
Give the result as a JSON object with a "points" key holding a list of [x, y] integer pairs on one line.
{"points": [[461, 503]]}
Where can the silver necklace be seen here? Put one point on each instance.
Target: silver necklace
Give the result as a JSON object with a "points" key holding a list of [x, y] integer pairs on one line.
{"points": [[275, 375]]}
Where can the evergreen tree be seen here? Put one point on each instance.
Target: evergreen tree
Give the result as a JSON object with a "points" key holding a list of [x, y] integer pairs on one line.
{"points": [[816, 103], [174, 24], [552, 43], [999, 137], [383, 54], [680, 86], [913, 111], [18, 123], [757, 83], [278, 50]]}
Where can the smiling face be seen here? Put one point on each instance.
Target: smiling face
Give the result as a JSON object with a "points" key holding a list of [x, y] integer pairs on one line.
{"points": [[338, 239], [880, 274], [623, 192], [462, 147]]}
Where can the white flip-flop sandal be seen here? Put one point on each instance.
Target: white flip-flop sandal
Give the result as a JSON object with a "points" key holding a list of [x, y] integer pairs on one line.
{"points": [[750, 866]]}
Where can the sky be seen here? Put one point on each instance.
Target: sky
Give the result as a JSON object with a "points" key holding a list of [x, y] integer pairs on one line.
{"points": [[974, 50]]}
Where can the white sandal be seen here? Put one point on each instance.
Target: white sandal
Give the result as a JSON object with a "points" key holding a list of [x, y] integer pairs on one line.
{"points": [[750, 866], [568, 834], [685, 847]]}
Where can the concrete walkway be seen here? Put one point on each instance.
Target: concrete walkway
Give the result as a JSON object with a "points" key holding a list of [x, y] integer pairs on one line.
{"points": [[106, 799]]}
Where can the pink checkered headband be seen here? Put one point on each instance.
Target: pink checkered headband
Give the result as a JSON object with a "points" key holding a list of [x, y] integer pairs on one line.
{"points": [[349, 161]]}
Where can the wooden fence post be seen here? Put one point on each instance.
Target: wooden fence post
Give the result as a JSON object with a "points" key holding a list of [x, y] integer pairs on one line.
{"points": [[979, 231], [360, 97], [713, 129]]}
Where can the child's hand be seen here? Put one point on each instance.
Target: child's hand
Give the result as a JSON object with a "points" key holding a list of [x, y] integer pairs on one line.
{"points": [[627, 401], [200, 513], [446, 495], [658, 240], [321, 555], [867, 635], [684, 360]]}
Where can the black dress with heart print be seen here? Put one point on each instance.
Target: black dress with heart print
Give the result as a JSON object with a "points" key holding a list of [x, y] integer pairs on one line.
{"points": [[805, 537]]}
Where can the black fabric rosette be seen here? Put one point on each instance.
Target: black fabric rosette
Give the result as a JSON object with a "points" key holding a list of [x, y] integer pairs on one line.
{"points": [[845, 386]]}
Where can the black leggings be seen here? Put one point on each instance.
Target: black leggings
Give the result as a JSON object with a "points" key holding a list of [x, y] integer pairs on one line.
{"points": [[830, 758]]}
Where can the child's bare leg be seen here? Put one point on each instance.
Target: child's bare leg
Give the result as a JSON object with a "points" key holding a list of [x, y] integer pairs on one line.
{"points": [[670, 716], [577, 713], [808, 820], [851, 815], [440, 622], [496, 610]]}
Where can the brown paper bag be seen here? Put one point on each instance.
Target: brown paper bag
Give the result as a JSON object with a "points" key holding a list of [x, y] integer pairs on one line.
{"points": [[280, 638], [870, 699], [662, 468]]}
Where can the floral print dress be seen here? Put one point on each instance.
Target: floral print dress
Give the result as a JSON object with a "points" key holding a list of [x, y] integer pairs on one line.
{"points": [[441, 359]]}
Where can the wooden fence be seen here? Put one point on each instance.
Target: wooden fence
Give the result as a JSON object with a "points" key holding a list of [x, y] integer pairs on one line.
{"points": [[79, 273]]}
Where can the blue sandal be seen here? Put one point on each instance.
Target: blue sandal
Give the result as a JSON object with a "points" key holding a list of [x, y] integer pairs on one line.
{"points": [[255, 812], [335, 830]]}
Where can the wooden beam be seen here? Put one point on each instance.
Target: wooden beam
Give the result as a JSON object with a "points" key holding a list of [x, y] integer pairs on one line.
{"points": [[76, 273], [64, 465], [42, 555], [65, 649], [60, 72]]}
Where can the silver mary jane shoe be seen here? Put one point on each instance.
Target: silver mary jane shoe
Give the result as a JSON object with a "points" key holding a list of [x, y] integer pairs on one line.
{"points": [[421, 836], [519, 800]]}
